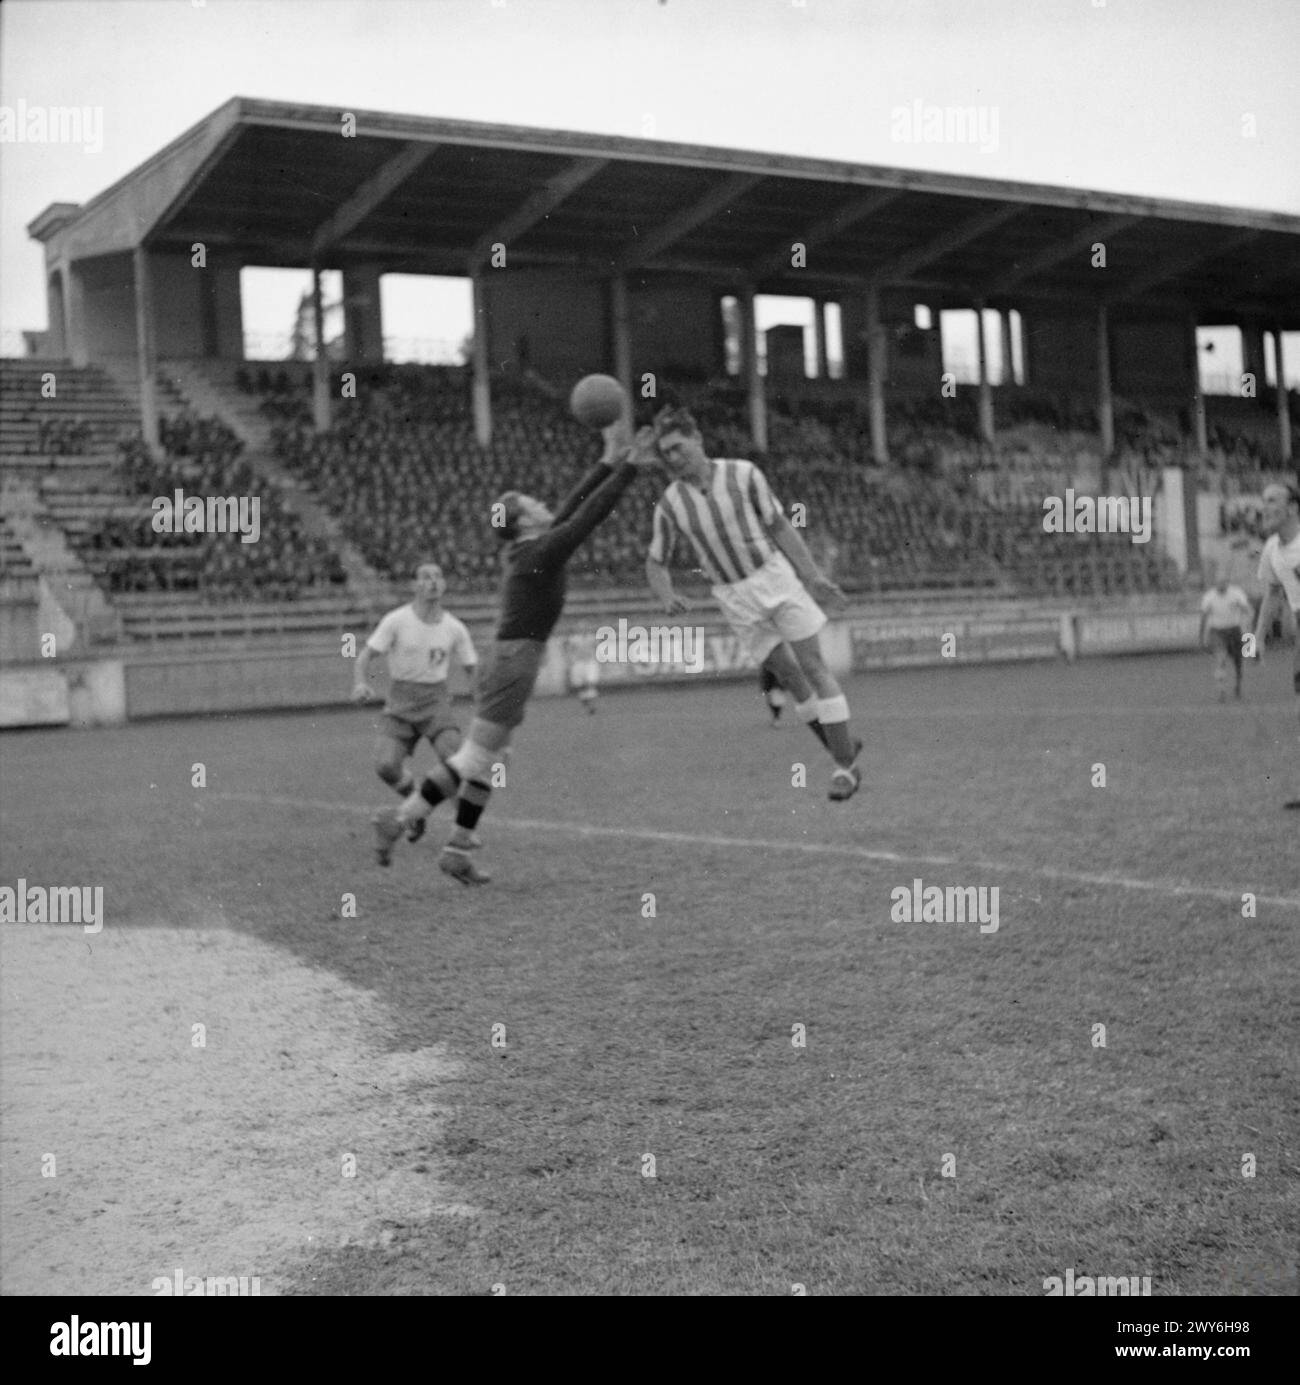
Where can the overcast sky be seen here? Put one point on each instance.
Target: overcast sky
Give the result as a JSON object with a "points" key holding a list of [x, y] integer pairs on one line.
{"points": [[1190, 99]]}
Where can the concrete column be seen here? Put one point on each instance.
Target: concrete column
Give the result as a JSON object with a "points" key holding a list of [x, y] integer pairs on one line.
{"points": [[320, 381], [74, 298], [363, 317], [209, 329], [749, 368], [819, 335], [876, 367], [1252, 354], [481, 387], [985, 389], [1200, 438], [146, 358], [1283, 415], [1008, 356], [56, 310], [1105, 396], [620, 333]]}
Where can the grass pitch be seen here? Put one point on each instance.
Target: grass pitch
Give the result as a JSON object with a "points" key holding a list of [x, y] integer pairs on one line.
{"points": [[627, 1036]]}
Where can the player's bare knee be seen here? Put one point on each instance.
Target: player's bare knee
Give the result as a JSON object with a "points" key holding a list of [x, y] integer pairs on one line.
{"points": [[389, 765], [447, 742]]}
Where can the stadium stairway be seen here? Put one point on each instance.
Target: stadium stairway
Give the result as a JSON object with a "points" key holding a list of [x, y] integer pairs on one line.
{"points": [[208, 388], [52, 448], [29, 525]]}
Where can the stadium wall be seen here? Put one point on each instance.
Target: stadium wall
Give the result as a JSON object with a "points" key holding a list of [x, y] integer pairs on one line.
{"points": [[105, 322], [1149, 359], [197, 312], [555, 324], [1148, 356], [675, 330], [181, 683], [1061, 351]]}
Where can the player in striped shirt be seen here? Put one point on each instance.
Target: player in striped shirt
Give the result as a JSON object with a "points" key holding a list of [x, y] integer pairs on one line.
{"points": [[1279, 575], [763, 577]]}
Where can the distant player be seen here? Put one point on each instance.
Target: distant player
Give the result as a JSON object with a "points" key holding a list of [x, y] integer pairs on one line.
{"points": [[1279, 574], [419, 641], [1225, 612], [764, 578], [540, 545], [584, 670]]}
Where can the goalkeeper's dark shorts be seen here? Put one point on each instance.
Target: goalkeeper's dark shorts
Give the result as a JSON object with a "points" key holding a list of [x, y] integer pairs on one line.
{"points": [[508, 680]]}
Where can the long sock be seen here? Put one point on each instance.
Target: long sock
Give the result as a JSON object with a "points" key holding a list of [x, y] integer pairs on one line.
{"points": [[807, 713], [441, 782], [834, 712], [470, 802], [839, 741]]}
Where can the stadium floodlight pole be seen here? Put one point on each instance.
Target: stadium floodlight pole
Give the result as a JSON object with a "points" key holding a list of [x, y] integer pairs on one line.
{"points": [[144, 347], [1283, 413], [749, 364], [481, 388], [1105, 394], [985, 389], [320, 391], [876, 367]]}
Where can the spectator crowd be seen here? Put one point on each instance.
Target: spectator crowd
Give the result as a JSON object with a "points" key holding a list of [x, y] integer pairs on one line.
{"points": [[203, 458]]}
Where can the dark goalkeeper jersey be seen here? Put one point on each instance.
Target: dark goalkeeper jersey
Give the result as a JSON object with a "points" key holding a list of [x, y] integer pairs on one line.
{"points": [[532, 595]]}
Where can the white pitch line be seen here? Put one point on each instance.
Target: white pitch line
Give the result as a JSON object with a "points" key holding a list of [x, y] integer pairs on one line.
{"points": [[1016, 709], [856, 853]]}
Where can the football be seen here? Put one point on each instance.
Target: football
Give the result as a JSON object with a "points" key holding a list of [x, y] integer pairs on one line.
{"points": [[597, 401]]}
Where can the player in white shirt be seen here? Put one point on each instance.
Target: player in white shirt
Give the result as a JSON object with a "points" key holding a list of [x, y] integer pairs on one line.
{"points": [[419, 640], [1225, 612], [763, 576], [1279, 573]]}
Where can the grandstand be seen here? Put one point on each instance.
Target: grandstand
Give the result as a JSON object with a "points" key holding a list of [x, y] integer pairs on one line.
{"points": [[923, 496]]}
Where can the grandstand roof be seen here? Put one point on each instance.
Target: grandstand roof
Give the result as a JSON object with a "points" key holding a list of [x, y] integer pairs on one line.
{"points": [[278, 184]]}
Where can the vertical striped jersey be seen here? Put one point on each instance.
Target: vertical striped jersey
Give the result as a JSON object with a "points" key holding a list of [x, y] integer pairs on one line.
{"points": [[725, 522]]}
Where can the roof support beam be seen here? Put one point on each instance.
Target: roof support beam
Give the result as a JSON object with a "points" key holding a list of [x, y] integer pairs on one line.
{"points": [[717, 199], [1054, 254], [378, 187], [904, 266], [858, 209], [534, 208]]}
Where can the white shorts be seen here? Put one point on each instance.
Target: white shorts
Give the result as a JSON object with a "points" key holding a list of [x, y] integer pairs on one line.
{"points": [[770, 606]]}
